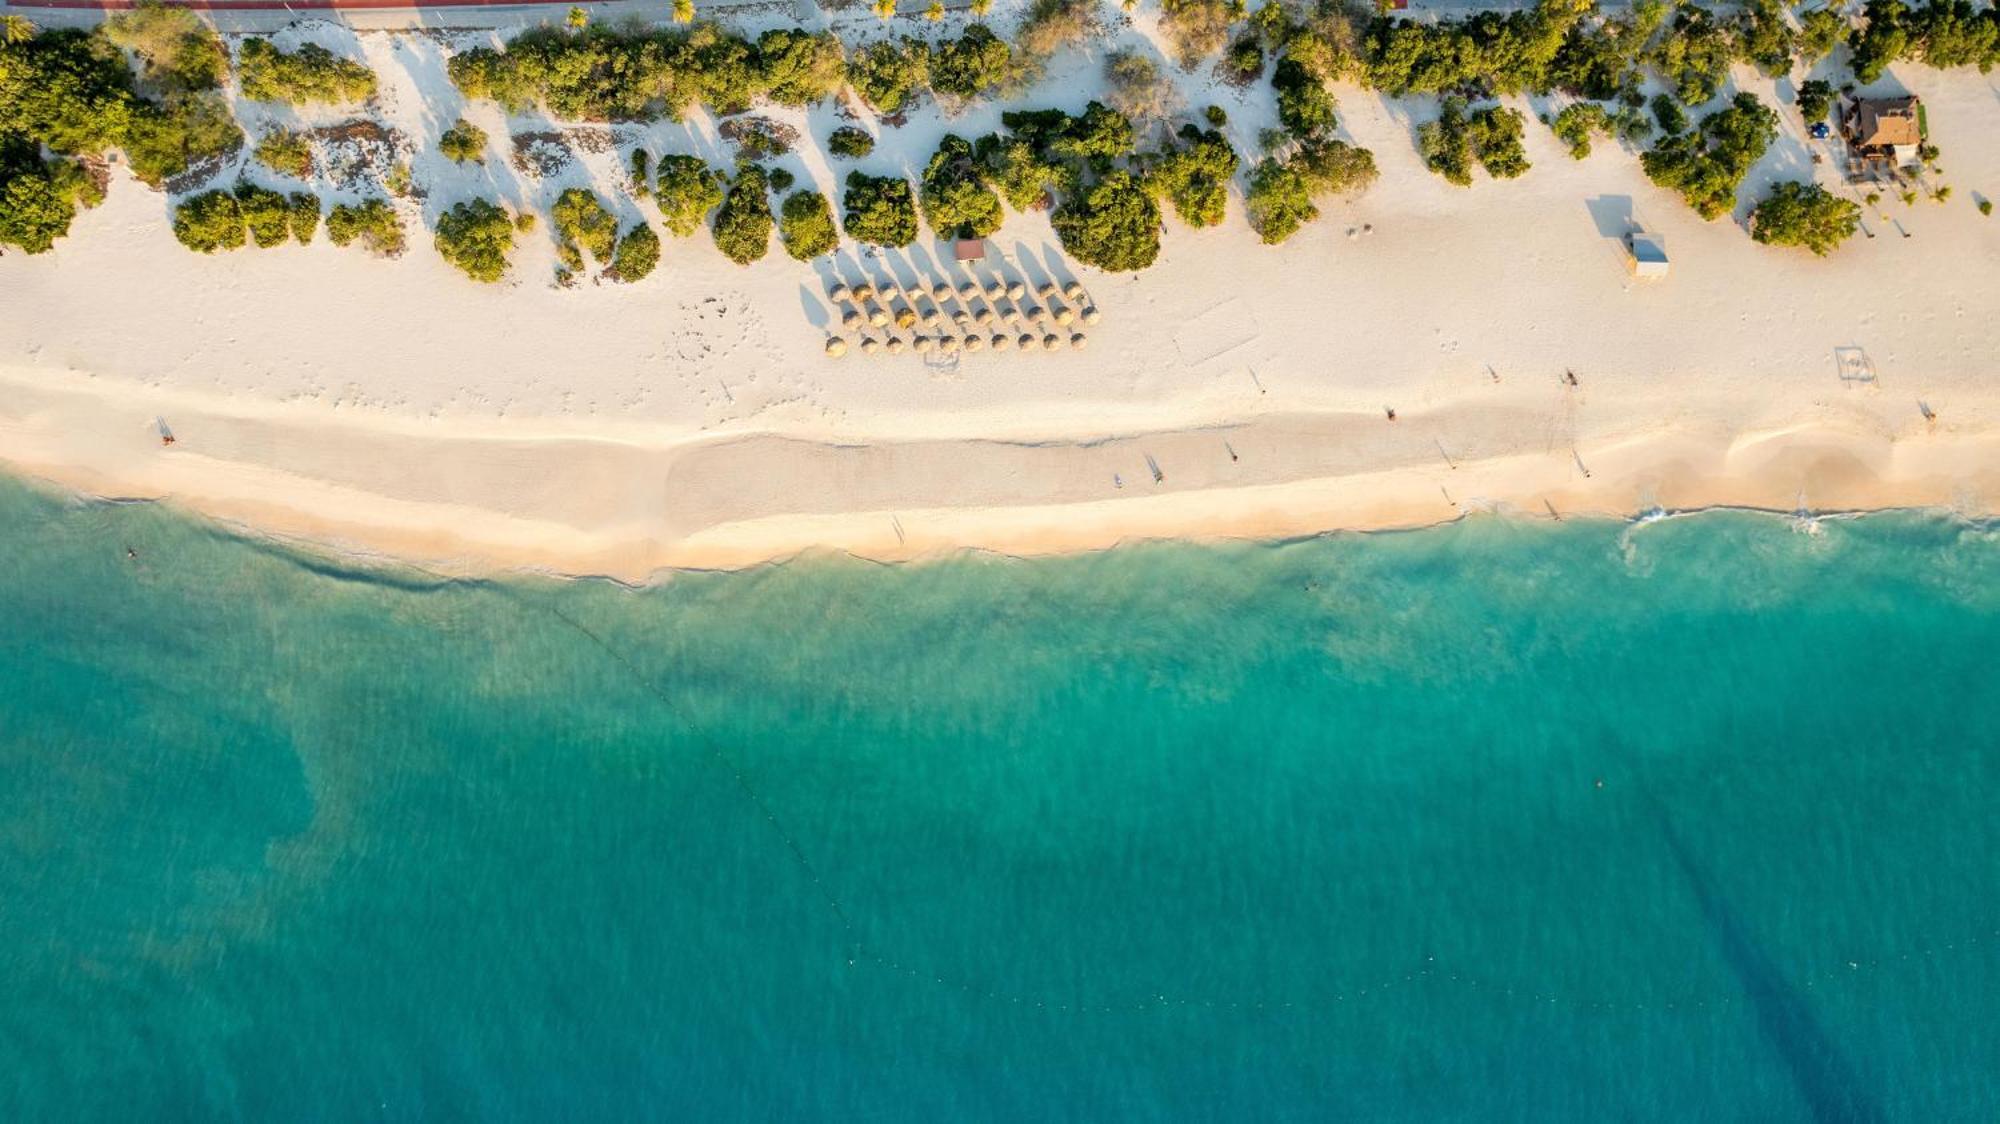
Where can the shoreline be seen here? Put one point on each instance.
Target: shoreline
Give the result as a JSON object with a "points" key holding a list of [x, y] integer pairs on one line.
{"points": [[488, 503]]}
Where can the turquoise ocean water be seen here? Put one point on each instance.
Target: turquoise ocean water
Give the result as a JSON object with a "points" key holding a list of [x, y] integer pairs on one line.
{"points": [[1694, 820]]}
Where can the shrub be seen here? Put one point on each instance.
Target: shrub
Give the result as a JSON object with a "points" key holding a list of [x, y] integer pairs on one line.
{"points": [[1707, 165], [38, 199], [1797, 214], [1668, 114], [850, 143], [312, 74], [1194, 176], [1495, 133], [266, 213], [286, 153], [781, 179], [800, 67], [637, 254], [1216, 116], [1113, 224], [165, 139], [1491, 135], [1575, 124], [1012, 167], [177, 52], [475, 236], [372, 221], [686, 189], [1052, 25], [957, 202], [1197, 28], [1244, 61], [1694, 54], [971, 64], [1509, 54], [1305, 108], [743, 223], [642, 174], [209, 222], [1820, 31], [463, 143], [1281, 195], [581, 221], [885, 74], [879, 210], [302, 211], [1764, 38], [1985, 206], [1136, 87], [806, 225], [1815, 100]]}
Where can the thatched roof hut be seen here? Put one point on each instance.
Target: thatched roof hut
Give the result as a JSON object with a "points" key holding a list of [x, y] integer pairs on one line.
{"points": [[1016, 291], [1078, 341], [1002, 341], [940, 292], [869, 346], [1051, 342], [836, 347], [837, 294], [975, 343], [851, 320], [1074, 292], [863, 293], [895, 345], [1091, 315]]}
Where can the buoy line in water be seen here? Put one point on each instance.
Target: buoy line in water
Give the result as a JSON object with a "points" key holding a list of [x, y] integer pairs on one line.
{"points": [[861, 952]]}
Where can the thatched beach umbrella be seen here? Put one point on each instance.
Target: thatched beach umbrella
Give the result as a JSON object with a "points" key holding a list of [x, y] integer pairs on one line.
{"points": [[837, 294], [1016, 291], [1074, 293], [940, 292], [1048, 292], [1026, 341], [1091, 315], [984, 317], [1064, 315], [995, 291], [835, 347], [967, 291], [1078, 341], [1004, 309], [1049, 343], [895, 344], [906, 317], [1029, 312], [850, 321], [1002, 341], [975, 343], [878, 317], [922, 344], [863, 293], [933, 318], [948, 344], [869, 346]]}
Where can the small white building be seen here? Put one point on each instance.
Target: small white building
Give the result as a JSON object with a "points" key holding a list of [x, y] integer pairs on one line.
{"points": [[1648, 254]]}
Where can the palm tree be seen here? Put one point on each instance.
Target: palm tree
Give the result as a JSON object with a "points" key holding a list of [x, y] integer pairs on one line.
{"points": [[578, 18], [935, 12], [16, 29], [885, 9], [981, 7], [683, 11]]}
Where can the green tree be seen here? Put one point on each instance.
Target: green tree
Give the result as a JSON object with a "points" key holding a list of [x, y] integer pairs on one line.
{"points": [[800, 67], [372, 222], [1282, 192], [177, 52], [302, 210], [209, 222], [312, 74], [637, 254], [1113, 224], [850, 143], [957, 202], [286, 153], [743, 222], [1708, 164], [1807, 215], [806, 225], [686, 189], [879, 210], [463, 143], [972, 64], [1195, 176], [1815, 100], [888, 73], [581, 220], [476, 236], [39, 199], [267, 214]]}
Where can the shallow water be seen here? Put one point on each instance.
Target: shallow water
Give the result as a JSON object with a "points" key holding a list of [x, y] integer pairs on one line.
{"points": [[1692, 820]]}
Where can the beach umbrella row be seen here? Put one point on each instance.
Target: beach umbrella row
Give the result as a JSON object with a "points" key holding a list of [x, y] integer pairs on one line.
{"points": [[862, 293], [837, 346]]}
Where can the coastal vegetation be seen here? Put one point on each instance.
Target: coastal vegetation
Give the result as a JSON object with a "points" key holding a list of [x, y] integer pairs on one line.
{"points": [[637, 255], [1194, 175], [229, 220], [850, 143], [805, 224], [39, 198], [1490, 135], [583, 225], [743, 221], [464, 142], [686, 190], [372, 222], [1805, 215], [1112, 224], [285, 152], [310, 75], [1282, 191], [879, 210], [476, 236], [957, 203], [1707, 164]]}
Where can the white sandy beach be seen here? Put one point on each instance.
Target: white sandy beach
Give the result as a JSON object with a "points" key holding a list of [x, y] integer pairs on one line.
{"points": [[690, 420]]}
